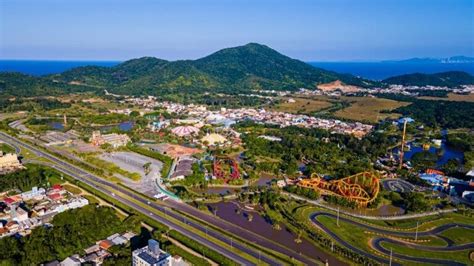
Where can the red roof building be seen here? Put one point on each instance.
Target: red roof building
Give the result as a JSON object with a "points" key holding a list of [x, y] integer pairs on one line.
{"points": [[57, 187], [9, 201], [105, 244], [55, 196]]}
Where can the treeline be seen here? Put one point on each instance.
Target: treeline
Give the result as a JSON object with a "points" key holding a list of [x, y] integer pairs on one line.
{"points": [[8, 105], [443, 114], [25, 179], [462, 141], [302, 191], [72, 231]]}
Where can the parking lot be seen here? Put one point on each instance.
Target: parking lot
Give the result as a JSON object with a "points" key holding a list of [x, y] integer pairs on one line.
{"points": [[134, 163]]}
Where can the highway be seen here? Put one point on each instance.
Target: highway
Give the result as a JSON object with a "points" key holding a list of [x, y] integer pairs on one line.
{"points": [[376, 242], [109, 189], [251, 237]]}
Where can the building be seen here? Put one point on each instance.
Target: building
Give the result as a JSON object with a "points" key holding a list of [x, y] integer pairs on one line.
{"points": [[34, 194], [213, 139], [9, 161], [19, 214], [73, 260], [114, 139], [150, 255], [183, 131]]}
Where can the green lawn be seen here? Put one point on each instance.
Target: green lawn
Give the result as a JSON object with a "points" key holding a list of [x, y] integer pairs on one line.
{"points": [[459, 235], [459, 256], [360, 238], [6, 148], [74, 190]]}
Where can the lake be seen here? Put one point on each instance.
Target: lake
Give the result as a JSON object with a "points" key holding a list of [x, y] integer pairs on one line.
{"points": [[447, 153]]}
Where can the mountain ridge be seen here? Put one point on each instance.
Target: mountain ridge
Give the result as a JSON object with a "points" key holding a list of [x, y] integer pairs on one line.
{"points": [[244, 68]]}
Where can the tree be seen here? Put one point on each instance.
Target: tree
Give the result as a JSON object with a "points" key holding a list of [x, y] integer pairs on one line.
{"points": [[147, 168], [416, 202], [134, 114]]}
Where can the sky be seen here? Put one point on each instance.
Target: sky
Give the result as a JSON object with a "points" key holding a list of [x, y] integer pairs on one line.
{"points": [[310, 30]]}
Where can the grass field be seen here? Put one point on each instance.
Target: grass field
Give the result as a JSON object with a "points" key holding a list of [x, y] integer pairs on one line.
{"points": [[6, 148], [111, 168], [360, 238], [459, 235], [368, 109], [301, 106], [452, 97], [459, 256], [74, 190]]}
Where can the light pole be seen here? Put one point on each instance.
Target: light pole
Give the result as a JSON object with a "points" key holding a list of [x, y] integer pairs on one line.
{"points": [[416, 232], [337, 217], [390, 262]]}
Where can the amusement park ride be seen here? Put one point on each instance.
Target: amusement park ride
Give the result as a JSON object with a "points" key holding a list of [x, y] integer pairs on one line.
{"points": [[362, 188], [220, 171]]}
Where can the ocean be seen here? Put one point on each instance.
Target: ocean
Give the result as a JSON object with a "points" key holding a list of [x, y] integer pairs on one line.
{"points": [[383, 70], [369, 70]]}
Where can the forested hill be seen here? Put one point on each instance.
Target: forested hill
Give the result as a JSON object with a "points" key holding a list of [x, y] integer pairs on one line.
{"points": [[237, 69], [448, 79]]}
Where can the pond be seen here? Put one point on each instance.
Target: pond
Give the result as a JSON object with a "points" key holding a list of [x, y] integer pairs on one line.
{"points": [[216, 190], [56, 125], [264, 227], [123, 126], [126, 126], [444, 152]]}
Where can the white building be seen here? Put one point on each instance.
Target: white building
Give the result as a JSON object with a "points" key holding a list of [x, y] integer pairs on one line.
{"points": [[34, 193], [151, 255], [8, 161]]}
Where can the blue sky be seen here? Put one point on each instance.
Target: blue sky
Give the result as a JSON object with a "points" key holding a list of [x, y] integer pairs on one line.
{"points": [[311, 30]]}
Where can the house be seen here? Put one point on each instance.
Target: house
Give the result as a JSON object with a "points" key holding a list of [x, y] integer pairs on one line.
{"points": [[73, 260], [92, 249], [19, 214], [33, 194], [55, 196], [105, 244]]}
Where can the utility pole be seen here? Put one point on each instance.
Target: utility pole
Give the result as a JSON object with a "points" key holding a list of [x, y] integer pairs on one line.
{"points": [[337, 222]]}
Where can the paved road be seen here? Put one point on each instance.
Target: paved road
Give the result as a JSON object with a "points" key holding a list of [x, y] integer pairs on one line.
{"points": [[215, 221], [376, 242], [309, 259], [108, 188], [369, 217]]}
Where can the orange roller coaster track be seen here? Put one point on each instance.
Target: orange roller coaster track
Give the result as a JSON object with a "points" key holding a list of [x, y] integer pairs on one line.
{"points": [[362, 188]]}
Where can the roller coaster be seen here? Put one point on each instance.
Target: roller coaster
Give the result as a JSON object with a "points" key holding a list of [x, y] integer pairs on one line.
{"points": [[362, 188], [227, 174]]}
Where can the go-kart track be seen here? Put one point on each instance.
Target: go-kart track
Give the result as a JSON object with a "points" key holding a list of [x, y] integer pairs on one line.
{"points": [[377, 241]]}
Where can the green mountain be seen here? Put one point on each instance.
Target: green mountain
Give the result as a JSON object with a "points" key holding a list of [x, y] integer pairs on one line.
{"points": [[231, 70], [448, 79]]}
